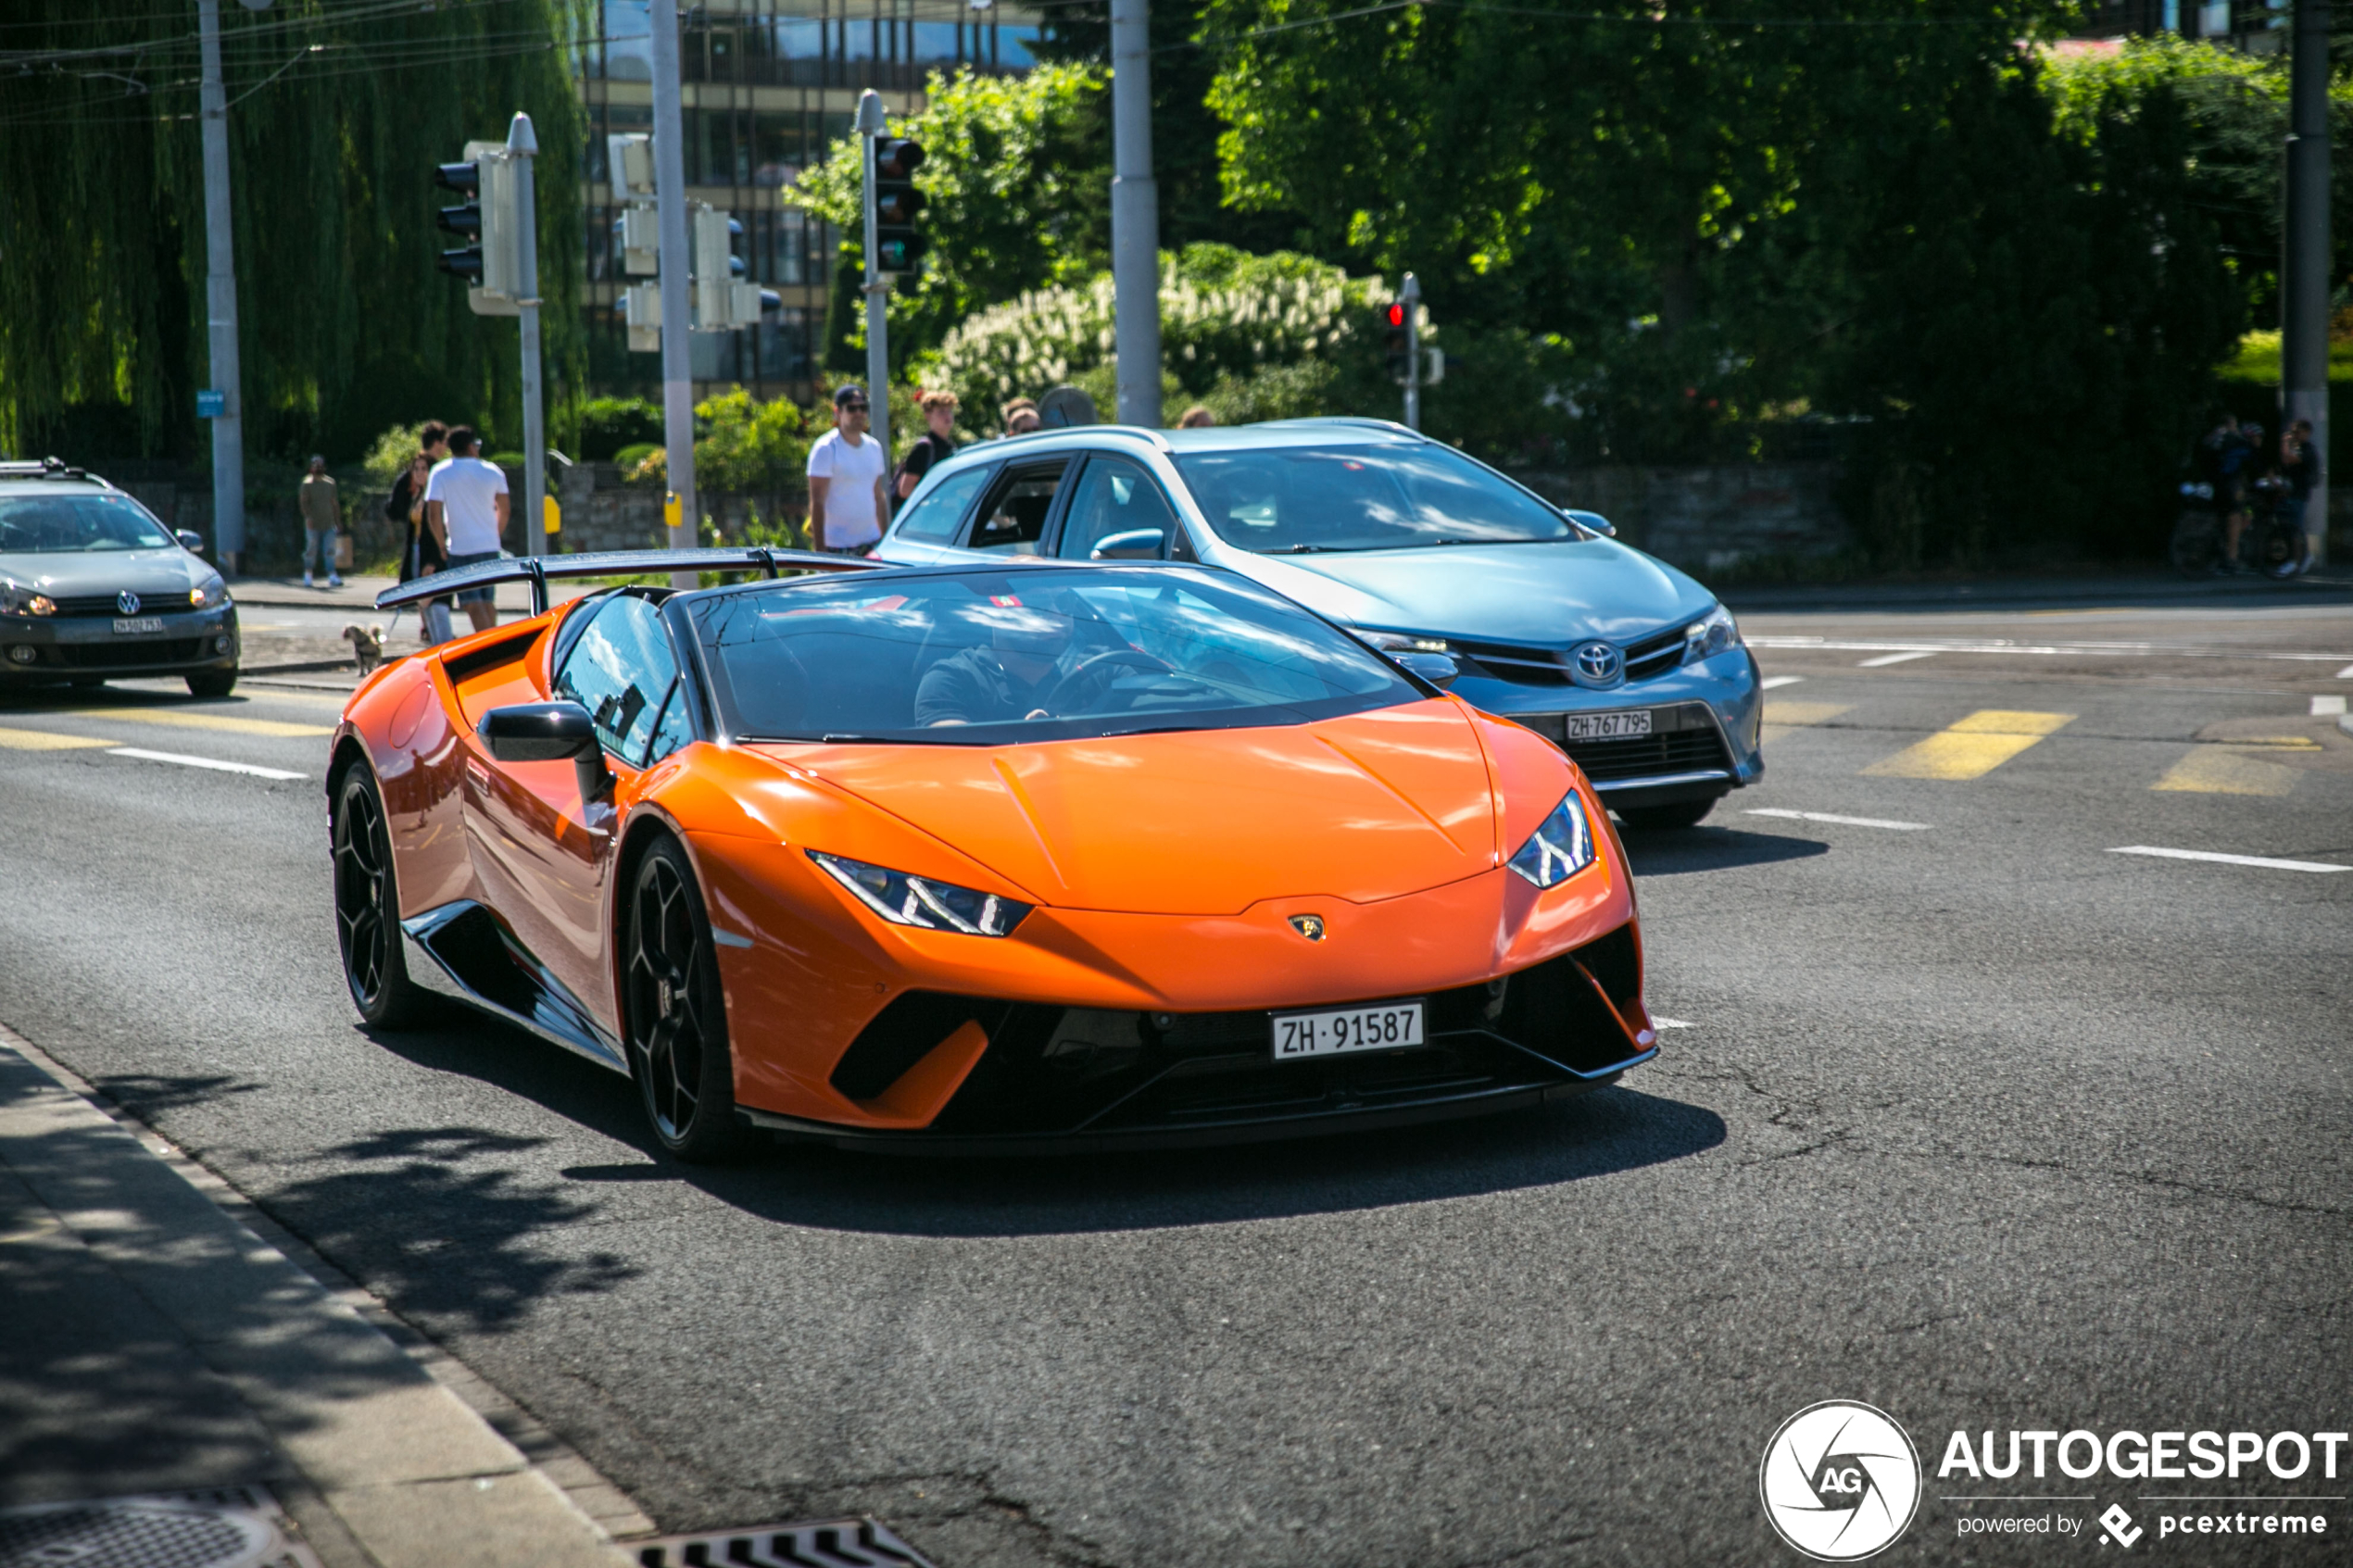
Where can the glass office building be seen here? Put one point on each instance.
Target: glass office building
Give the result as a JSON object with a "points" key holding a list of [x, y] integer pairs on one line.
{"points": [[768, 86]]}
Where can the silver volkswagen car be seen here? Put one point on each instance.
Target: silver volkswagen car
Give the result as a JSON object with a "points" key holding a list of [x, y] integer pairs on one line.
{"points": [[1527, 611], [93, 588]]}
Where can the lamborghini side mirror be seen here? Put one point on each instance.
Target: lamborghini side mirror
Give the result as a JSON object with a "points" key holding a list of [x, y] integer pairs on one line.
{"points": [[547, 731], [1439, 670]]}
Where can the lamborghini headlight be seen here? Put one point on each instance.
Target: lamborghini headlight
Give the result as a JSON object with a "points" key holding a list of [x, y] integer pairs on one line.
{"points": [[1559, 849], [923, 902], [17, 599], [1711, 634]]}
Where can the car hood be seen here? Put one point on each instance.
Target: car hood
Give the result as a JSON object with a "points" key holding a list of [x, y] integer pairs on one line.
{"points": [[162, 571], [1368, 806], [1550, 594]]}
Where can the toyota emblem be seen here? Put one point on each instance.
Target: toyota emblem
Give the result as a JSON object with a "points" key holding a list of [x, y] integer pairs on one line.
{"points": [[1598, 664], [127, 602]]}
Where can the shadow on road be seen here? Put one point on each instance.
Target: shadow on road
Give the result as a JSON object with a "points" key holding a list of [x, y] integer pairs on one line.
{"points": [[1714, 850]]}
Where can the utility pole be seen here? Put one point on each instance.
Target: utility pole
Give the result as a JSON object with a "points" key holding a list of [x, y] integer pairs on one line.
{"points": [[2304, 292], [1135, 216], [220, 306], [1411, 293], [523, 146], [670, 207], [873, 121]]}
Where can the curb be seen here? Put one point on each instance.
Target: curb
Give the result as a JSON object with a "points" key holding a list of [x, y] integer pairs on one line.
{"points": [[379, 1464]]}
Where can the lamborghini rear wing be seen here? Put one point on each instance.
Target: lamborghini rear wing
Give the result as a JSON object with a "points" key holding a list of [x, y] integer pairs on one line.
{"points": [[538, 571]]}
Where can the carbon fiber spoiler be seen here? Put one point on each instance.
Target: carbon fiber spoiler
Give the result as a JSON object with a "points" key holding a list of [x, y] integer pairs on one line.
{"points": [[538, 571]]}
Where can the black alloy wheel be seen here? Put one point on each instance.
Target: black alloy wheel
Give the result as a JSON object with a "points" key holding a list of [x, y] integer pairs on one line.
{"points": [[674, 1012], [367, 905]]}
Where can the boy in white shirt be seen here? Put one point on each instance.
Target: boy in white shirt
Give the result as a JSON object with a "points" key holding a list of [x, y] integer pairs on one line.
{"points": [[845, 471]]}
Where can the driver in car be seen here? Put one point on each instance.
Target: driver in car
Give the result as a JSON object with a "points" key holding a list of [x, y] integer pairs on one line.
{"points": [[1005, 681]]}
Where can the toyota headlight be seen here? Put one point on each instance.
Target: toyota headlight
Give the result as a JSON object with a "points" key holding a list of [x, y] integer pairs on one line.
{"points": [[923, 902], [17, 599], [1403, 641], [212, 591], [1711, 634], [1559, 849]]}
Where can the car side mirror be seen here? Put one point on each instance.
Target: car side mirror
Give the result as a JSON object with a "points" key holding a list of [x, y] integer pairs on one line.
{"points": [[190, 541], [549, 732], [1593, 520], [1136, 544], [1439, 670]]}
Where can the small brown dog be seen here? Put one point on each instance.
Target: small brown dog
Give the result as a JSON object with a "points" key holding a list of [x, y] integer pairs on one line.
{"points": [[367, 645]]}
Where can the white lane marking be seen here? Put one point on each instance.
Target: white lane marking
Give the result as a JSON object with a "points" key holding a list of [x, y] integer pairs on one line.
{"points": [[2004, 644], [1828, 817], [2346, 674], [1674, 1023], [728, 938], [2327, 707], [2266, 864], [1775, 683], [1887, 659], [218, 767]]}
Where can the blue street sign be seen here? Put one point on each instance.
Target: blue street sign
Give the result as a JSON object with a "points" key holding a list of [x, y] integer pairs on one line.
{"points": [[211, 404]]}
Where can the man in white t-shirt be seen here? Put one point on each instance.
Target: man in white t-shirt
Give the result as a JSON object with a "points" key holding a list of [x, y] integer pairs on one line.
{"points": [[466, 508], [845, 471]]}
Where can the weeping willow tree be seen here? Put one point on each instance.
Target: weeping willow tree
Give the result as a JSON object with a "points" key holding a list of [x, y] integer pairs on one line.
{"points": [[339, 109]]}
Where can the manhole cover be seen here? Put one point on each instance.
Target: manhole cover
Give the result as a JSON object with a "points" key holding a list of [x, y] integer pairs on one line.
{"points": [[828, 1543], [233, 1527]]}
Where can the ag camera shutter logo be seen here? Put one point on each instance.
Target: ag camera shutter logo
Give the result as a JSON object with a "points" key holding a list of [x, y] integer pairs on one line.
{"points": [[1839, 1481]]}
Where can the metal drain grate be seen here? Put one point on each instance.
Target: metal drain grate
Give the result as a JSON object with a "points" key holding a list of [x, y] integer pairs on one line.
{"points": [[225, 1527], [829, 1543]]}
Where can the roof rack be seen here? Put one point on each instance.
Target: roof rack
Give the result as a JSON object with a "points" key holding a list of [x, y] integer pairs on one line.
{"points": [[538, 571], [47, 468]]}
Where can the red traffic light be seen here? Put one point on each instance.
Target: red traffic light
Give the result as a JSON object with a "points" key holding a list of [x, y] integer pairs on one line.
{"points": [[1397, 313]]}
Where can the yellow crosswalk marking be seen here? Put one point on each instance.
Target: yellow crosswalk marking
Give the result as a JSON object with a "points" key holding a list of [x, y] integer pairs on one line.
{"points": [[1971, 748], [2227, 769], [182, 718], [1780, 718], [47, 740]]}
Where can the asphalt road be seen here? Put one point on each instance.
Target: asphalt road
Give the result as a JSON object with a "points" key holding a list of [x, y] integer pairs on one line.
{"points": [[1975, 1120]]}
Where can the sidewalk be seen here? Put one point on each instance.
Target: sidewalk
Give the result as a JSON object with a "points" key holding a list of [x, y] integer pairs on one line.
{"points": [[156, 1346]]}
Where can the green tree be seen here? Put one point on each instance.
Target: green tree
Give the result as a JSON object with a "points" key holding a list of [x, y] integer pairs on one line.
{"points": [[1017, 196], [338, 114]]}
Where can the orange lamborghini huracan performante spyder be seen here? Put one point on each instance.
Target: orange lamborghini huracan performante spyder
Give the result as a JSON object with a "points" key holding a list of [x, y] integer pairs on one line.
{"points": [[1024, 856]]}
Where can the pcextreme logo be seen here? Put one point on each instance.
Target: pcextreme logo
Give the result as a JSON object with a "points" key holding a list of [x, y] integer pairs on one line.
{"points": [[1839, 1481]]}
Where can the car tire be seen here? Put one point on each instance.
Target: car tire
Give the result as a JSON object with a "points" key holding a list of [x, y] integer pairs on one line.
{"points": [[375, 968], [673, 1015], [212, 683], [1681, 814]]}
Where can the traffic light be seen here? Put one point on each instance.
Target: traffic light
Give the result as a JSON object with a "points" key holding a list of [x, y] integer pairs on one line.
{"points": [[464, 221], [1395, 341], [898, 244], [721, 303]]}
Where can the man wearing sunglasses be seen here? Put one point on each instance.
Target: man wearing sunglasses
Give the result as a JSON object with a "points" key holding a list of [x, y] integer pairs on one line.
{"points": [[846, 469]]}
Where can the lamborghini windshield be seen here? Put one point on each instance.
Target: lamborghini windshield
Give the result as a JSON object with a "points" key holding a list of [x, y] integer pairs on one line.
{"points": [[1284, 500], [988, 658]]}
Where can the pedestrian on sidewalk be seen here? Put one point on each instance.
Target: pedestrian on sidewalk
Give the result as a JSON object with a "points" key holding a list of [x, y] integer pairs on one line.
{"points": [[846, 469], [321, 518], [939, 440], [1198, 417], [420, 552], [466, 506]]}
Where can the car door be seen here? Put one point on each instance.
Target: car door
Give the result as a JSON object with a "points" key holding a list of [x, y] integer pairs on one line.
{"points": [[542, 851], [930, 525], [1117, 512]]}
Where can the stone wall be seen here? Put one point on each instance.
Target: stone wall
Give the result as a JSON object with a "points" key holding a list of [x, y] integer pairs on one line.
{"points": [[1712, 518]]}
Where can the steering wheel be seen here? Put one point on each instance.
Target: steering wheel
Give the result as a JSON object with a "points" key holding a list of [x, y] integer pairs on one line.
{"points": [[1136, 657]]}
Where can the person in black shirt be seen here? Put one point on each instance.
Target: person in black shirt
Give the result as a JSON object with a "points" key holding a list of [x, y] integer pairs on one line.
{"points": [[939, 440], [1002, 682]]}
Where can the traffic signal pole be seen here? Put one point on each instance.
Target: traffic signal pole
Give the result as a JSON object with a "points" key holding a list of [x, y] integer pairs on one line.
{"points": [[874, 121], [220, 306], [2304, 293], [1135, 216], [670, 207], [1411, 293], [523, 145]]}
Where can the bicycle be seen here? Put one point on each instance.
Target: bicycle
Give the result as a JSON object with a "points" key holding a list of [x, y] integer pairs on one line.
{"points": [[2273, 542]]}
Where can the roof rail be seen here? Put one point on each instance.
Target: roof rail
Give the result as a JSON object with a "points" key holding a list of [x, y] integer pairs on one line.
{"points": [[47, 468], [538, 571]]}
